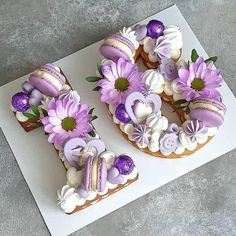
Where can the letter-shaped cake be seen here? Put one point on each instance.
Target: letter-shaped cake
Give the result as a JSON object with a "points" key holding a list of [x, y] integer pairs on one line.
{"points": [[93, 173], [134, 95]]}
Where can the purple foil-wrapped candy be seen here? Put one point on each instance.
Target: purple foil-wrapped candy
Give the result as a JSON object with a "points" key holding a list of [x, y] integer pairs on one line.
{"points": [[155, 29], [140, 32], [20, 101], [121, 114], [124, 164], [169, 142]]}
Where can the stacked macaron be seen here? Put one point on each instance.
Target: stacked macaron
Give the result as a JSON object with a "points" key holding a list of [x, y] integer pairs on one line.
{"points": [[116, 46], [48, 79], [95, 174], [208, 110]]}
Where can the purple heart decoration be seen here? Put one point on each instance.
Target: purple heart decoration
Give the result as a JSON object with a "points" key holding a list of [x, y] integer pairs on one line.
{"points": [[137, 96], [114, 176], [74, 146], [35, 98]]}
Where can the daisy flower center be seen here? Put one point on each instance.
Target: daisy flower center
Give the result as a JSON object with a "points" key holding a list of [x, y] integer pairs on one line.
{"points": [[68, 123], [198, 84], [121, 84]]}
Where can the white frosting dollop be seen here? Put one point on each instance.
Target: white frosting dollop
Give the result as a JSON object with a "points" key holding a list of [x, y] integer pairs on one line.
{"points": [[186, 141], [154, 80], [212, 131], [20, 117], [129, 130], [148, 47], [153, 145], [157, 122], [68, 199], [168, 89], [74, 177], [173, 33], [109, 157], [180, 149]]}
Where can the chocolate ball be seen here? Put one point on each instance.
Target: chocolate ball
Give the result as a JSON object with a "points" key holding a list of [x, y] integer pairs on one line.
{"points": [[121, 114], [20, 101], [124, 164], [155, 29]]}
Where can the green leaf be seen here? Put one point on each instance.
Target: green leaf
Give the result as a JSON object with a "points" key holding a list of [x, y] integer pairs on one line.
{"points": [[45, 113], [91, 111], [93, 78], [99, 67], [35, 110], [29, 115], [96, 88], [194, 55], [180, 101], [92, 133], [211, 59], [94, 118]]}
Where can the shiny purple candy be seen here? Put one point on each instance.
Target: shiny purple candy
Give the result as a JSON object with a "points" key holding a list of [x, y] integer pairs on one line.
{"points": [[20, 101], [121, 114], [124, 164], [155, 29]]}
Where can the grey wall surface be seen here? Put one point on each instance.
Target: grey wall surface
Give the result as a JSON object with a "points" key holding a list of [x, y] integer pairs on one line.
{"points": [[33, 32]]}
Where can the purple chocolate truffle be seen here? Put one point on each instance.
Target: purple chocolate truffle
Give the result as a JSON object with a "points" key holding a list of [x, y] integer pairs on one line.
{"points": [[20, 101], [124, 164], [121, 114], [155, 29]]}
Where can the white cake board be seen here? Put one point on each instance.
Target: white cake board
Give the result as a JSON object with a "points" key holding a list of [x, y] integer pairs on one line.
{"points": [[44, 172]]}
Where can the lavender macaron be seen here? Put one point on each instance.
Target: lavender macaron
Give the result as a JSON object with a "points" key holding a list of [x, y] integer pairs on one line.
{"points": [[48, 80], [211, 112], [95, 174], [116, 46]]}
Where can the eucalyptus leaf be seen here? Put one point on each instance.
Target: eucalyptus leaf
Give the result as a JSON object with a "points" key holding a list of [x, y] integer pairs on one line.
{"points": [[214, 59], [35, 110], [45, 113], [180, 101], [194, 55], [96, 88], [94, 118], [92, 133], [29, 115], [91, 111], [99, 67], [93, 78]]}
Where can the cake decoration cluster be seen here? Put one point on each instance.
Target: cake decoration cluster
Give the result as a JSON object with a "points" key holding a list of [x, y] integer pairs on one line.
{"points": [[134, 96], [93, 173]]}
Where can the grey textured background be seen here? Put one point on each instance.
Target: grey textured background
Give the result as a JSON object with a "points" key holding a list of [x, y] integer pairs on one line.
{"points": [[33, 32]]}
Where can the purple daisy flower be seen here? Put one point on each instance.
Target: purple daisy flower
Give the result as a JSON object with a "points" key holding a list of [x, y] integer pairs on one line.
{"points": [[120, 79], [66, 119], [199, 80]]}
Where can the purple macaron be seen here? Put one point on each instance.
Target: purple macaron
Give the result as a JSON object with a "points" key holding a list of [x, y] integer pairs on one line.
{"points": [[117, 46], [101, 174], [48, 80], [208, 110]]}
